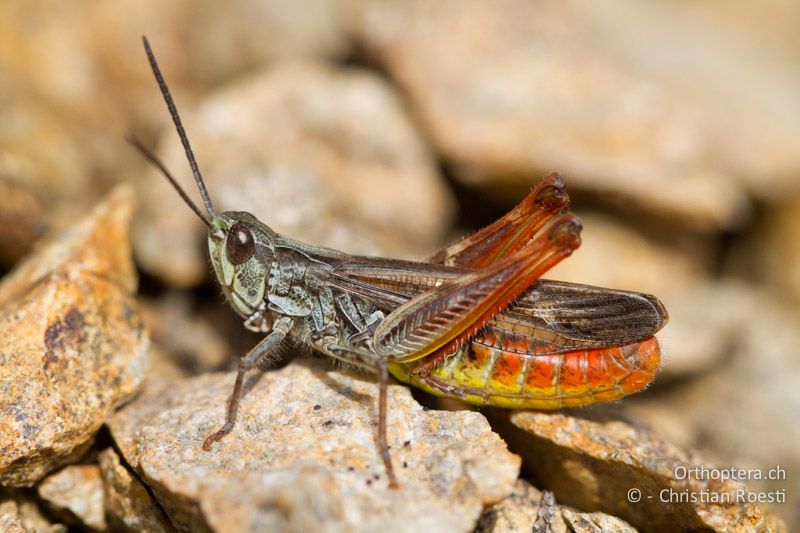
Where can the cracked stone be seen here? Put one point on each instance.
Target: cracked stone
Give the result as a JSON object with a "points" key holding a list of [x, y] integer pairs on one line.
{"points": [[303, 455]]}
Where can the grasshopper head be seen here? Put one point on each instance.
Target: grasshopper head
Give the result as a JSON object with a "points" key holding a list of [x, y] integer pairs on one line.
{"points": [[241, 247], [241, 250]]}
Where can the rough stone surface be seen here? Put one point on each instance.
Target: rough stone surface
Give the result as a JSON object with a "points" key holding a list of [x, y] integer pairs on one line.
{"points": [[527, 509], [321, 154], [303, 455], [511, 91], [73, 346], [595, 523], [75, 493], [594, 465], [128, 505], [20, 513], [519, 512]]}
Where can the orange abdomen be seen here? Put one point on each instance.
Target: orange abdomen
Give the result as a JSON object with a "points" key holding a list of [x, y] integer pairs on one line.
{"points": [[521, 374]]}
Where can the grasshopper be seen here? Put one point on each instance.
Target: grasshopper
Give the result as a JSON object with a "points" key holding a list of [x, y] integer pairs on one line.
{"points": [[475, 322]]}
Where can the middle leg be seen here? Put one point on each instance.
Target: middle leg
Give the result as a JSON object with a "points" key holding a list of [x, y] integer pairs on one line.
{"points": [[371, 361]]}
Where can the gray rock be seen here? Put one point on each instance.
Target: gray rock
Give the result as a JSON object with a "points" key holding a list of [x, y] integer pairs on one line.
{"points": [[303, 455]]}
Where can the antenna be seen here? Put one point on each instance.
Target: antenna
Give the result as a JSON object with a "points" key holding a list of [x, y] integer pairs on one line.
{"points": [[153, 159], [176, 119]]}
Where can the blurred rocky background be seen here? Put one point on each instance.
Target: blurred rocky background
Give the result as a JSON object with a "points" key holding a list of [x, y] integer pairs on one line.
{"points": [[390, 128]]}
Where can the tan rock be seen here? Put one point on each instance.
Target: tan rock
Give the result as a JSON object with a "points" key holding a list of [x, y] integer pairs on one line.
{"points": [[632, 473], [706, 319], [303, 455], [774, 252], [595, 523], [510, 91], [43, 172], [528, 509], [76, 94], [128, 504], [321, 154], [20, 513], [75, 493], [520, 512], [11, 523], [73, 346], [244, 36], [100, 87], [617, 254], [67, 65], [191, 337]]}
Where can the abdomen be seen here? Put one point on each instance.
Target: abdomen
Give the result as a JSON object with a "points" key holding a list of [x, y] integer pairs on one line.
{"points": [[513, 373]]}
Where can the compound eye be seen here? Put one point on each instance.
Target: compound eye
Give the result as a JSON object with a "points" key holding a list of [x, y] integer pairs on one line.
{"points": [[240, 244]]}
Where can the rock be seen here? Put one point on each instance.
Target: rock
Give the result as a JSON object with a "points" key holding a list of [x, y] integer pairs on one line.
{"points": [[528, 509], [519, 512], [773, 252], [74, 68], [632, 473], [707, 319], [595, 523], [303, 455], [619, 255], [11, 523], [179, 330], [757, 382], [510, 92], [100, 81], [73, 346], [321, 154], [77, 91], [43, 172], [128, 504], [19, 513], [243, 36], [75, 493]]}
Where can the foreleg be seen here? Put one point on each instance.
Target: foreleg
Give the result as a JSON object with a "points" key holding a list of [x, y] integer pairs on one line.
{"points": [[254, 358]]}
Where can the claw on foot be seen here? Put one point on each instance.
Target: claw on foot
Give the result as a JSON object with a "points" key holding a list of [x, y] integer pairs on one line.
{"points": [[215, 437]]}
